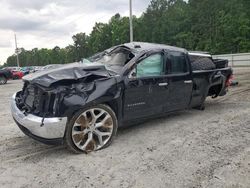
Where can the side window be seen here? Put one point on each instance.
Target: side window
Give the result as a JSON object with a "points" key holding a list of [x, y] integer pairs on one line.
{"points": [[151, 66], [177, 63]]}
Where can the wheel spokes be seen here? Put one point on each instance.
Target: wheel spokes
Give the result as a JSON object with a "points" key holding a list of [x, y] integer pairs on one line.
{"points": [[78, 138], [90, 138], [92, 130], [82, 122], [100, 114], [106, 122], [100, 136], [95, 116]]}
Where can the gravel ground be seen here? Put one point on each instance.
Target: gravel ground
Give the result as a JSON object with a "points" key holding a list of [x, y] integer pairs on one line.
{"points": [[192, 148]]}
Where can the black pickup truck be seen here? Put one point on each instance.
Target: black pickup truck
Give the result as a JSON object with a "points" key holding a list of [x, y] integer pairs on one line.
{"points": [[82, 104], [4, 76]]}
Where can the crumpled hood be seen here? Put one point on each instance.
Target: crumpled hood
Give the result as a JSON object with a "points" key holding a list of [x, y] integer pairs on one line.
{"points": [[73, 71]]}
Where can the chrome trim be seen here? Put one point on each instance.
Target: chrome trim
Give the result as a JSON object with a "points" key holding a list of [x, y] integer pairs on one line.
{"points": [[188, 81], [52, 127], [202, 54], [163, 84]]}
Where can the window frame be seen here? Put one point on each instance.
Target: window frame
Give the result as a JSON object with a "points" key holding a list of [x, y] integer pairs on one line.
{"points": [[169, 70], [145, 56]]}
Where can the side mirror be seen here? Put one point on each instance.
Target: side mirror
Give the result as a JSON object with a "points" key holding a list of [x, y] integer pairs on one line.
{"points": [[132, 74]]}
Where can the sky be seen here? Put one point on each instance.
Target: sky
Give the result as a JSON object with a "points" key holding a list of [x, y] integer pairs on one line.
{"points": [[50, 23]]}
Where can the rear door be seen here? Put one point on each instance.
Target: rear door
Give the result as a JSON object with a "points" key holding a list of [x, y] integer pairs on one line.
{"points": [[145, 87], [179, 80]]}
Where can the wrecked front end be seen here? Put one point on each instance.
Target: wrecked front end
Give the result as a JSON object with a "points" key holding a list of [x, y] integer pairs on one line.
{"points": [[34, 111], [48, 100]]}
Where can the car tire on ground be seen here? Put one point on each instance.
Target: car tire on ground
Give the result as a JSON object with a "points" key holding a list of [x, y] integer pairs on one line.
{"points": [[203, 64], [91, 129], [200, 107], [3, 80], [15, 78]]}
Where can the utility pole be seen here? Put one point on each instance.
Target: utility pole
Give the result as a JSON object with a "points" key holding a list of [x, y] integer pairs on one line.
{"points": [[131, 21], [17, 51]]}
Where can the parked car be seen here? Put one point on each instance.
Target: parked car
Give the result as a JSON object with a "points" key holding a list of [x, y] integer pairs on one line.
{"points": [[82, 104], [5, 75], [37, 68], [25, 70], [13, 68], [17, 75], [16, 72], [51, 66]]}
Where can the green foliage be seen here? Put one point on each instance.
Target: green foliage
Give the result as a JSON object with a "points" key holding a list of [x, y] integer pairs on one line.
{"points": [[216, 26]]}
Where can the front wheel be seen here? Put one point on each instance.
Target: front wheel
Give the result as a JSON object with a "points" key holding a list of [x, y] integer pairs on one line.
{"points": [[91, 129]]}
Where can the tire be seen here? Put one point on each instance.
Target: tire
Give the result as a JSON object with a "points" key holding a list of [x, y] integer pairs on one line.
{"points": [[203, 64], [3, 80], [89, 131], [200, 107], [15, 78]]}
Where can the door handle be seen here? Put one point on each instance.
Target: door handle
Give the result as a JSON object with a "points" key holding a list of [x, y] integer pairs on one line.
{"points": [[163, 84], [188, 81]]}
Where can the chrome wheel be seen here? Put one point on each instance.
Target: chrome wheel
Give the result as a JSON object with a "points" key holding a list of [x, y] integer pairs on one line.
{"points": [[92, 129]]}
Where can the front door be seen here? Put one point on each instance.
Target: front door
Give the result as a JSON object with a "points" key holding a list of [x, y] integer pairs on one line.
{"points": [[145, 88]]}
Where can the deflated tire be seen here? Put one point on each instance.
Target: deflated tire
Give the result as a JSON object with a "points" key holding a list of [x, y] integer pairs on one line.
{"points": [[91, 129]]}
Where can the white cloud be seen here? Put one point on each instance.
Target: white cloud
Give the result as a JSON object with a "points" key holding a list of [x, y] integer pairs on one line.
{"points": [[47, 23]]}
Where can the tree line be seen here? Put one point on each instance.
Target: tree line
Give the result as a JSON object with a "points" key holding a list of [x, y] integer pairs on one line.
{"points": [[215, 26]]}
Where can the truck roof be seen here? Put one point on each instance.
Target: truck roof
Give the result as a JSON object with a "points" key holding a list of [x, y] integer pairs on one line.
{"points": [[141, 46]]}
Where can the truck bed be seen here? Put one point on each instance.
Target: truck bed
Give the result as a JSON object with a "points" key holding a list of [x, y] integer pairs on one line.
{"points": [[209, 83]]}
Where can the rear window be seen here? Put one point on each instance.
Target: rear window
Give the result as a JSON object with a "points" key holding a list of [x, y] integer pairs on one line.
{"points": [[177, 63]]}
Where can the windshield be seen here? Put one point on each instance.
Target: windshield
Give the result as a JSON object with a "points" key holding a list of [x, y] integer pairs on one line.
{"points": [[113, 60]]}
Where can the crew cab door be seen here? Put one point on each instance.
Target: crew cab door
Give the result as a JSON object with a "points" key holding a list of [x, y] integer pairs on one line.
{"points": [[179, 80], [145, 86]]}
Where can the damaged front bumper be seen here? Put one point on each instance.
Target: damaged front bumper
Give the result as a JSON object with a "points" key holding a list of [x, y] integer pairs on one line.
{"points": [[51, 131]]}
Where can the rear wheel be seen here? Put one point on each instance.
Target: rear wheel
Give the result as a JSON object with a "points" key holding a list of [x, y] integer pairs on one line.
{"points": [[91, 129], [3, 80]]}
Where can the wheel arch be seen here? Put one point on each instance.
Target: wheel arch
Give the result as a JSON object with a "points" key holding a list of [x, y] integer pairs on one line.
{"points": [[114, 104], [215, 90]]}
